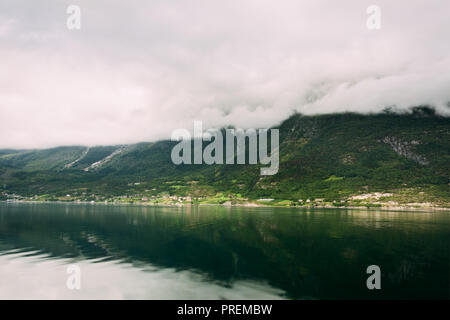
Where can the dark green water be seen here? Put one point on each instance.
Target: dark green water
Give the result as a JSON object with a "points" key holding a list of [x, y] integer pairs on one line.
{"points": [[131, 252]]}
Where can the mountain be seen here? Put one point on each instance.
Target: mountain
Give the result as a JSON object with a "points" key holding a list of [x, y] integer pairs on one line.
{"points": [[335, 159]]}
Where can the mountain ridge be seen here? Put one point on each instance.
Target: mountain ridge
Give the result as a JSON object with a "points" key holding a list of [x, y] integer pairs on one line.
{"points": [[332, 157]]}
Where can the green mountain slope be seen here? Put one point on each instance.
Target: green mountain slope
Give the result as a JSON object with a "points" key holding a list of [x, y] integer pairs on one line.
{"points": [[326, 159]]}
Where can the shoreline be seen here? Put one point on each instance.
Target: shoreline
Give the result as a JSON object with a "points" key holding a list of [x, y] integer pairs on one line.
{"points": [[245, 205]]}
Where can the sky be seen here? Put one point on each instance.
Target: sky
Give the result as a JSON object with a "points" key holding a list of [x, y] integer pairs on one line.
{"points": [[137, 70]]}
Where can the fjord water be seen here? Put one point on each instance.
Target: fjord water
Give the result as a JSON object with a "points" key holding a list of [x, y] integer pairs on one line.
{"points": [[137, 252]]}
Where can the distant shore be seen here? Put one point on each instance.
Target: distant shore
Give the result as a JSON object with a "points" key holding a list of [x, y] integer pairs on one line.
{"points": [[248, 205]]}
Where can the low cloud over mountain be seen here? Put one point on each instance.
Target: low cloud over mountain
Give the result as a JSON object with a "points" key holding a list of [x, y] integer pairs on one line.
{"points": [[137, 70]]}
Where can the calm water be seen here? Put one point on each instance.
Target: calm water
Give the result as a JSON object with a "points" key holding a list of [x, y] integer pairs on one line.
{"points": [[131, 252]]}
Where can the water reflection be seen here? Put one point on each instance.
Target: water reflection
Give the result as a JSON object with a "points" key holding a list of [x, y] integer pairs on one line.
{"points": [[38, 277], [214, 252]]}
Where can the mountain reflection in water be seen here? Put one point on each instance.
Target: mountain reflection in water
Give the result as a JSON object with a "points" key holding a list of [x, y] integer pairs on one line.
{"points": [[136, 252]]}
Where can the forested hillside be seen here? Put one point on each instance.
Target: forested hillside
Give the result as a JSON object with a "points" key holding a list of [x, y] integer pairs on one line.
{"points": [[335, 159]]}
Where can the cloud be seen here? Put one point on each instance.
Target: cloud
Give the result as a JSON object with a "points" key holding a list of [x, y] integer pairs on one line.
{"points": [[138, 70]]}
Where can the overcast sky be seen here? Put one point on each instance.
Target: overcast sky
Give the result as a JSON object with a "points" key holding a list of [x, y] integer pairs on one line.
{"points": [[139, 69]]}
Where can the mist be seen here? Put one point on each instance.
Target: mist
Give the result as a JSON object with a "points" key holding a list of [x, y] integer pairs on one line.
{"points": [[138, 70]]}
